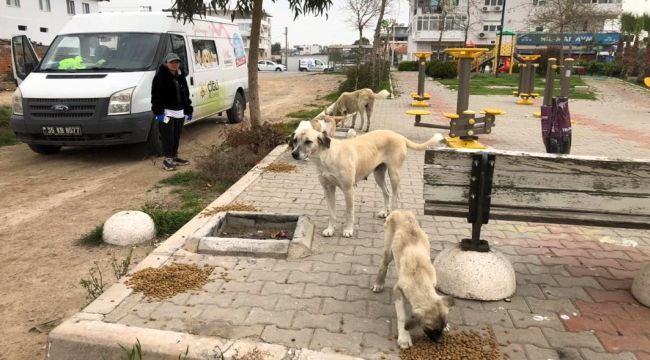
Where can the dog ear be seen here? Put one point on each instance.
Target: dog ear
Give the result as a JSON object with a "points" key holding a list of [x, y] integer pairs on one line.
{"points": [[290, 140], [324, 140]]}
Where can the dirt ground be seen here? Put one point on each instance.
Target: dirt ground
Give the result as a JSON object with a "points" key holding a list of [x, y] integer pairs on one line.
{"points": [[50, 201]]}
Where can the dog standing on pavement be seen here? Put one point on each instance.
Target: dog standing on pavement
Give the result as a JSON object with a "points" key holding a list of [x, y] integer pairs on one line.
{"points": [[342, 163], [405, 241], [361, 101]]}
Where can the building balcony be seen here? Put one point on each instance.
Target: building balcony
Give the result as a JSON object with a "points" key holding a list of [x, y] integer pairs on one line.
{"points": [[447, 36]]}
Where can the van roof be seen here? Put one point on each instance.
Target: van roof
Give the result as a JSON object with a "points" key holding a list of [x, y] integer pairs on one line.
{"points": [[149, 22]]}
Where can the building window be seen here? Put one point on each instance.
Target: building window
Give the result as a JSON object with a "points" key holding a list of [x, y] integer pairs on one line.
{"points": [[494, 2], [539, 2], [86, 8], [44, 5], [22, 27], [43, 29], [15, 3], [70, 5]]}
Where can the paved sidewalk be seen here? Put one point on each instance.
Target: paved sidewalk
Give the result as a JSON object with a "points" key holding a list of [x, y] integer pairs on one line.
{"points": [[572, 299]]}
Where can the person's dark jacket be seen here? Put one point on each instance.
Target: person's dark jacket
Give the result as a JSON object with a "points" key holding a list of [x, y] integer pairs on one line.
{"points": [[170, 92]]}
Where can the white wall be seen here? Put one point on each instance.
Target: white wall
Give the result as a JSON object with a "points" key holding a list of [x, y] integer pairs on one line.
{"points": [[30, 15]]}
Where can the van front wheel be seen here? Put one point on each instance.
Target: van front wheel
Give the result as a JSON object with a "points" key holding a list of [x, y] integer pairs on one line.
{"points": [[45, 149], [236, 112]]}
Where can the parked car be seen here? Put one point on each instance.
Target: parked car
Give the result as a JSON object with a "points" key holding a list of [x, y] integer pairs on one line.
{"points": [[268, 65], [93, 86]]}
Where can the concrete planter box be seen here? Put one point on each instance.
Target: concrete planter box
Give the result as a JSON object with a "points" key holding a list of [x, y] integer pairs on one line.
{"points": [[241, 233]]}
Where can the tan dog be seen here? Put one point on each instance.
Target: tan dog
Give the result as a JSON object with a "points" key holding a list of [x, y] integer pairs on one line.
{"points": [[361, 101], [342, 163], [409, 245]]}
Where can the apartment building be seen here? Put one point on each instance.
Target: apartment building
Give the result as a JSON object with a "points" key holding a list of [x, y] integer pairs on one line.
{"points": [[475, 21], [40, 20]]}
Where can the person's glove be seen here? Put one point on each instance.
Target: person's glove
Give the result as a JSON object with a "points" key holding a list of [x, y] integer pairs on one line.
{"points": [[160, 118], [189, 117]]}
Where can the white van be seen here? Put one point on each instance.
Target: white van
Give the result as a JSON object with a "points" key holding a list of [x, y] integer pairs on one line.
{"points": [[93, 86], [309, 64]]}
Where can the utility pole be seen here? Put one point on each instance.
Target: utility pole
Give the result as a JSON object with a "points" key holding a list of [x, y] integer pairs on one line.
{"points": [[496, 61], [286, 47]]}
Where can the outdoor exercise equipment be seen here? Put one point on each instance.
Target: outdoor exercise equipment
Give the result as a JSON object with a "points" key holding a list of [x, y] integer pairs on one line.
{"points": [[555, 115], [420, 96], [526, 87], [646, 81], [464, 125]]}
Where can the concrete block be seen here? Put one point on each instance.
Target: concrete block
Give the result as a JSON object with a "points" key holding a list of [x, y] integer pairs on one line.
{"points": [[474, 275], [641, 286], [128, 228]]}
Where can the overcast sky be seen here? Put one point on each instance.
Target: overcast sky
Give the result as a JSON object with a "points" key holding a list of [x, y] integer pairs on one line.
{"points": [[316, 30]]}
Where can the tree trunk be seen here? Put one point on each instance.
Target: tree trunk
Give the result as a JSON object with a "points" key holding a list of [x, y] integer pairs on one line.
{"points": [[619, 50], [634, 57], [253, 55], [561, 44], [441, 28], [644, 70], [376, 41]]}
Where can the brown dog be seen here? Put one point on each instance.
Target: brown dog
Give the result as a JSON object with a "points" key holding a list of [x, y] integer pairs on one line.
{"points": [[409, 245]]}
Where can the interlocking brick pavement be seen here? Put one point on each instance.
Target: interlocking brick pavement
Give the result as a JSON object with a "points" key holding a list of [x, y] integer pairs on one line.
{"points": [[572, 299]]}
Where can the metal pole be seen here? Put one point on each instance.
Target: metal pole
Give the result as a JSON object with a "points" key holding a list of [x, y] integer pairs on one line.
{"points": [[462, 102], [496, 61], [422, 66], [286, 47], [550, 82], [565, 78]]}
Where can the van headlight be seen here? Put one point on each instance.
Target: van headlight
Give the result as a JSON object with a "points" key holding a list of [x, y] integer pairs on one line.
{"points": [[17, 102], [120, 103]]}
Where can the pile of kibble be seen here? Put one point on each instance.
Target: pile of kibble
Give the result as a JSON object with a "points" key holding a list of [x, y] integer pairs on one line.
{"points": [[281, 167], [466, 345], [169, 280]]}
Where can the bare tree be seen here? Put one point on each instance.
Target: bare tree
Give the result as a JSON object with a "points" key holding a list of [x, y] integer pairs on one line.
{"points": [[473, 6], [383, 4], [361, 14], [187, 9], [562, 16]]}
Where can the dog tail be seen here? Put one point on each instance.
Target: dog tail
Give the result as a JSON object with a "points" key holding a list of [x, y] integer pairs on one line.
{"points": [[436, 139], [382, 94]]}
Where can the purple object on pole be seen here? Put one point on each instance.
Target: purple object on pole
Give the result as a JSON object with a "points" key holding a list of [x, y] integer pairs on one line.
{"points": [[546, 126], [556, 126]]}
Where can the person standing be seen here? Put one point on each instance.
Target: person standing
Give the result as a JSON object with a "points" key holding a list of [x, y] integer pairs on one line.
{"points": [[170, 103]]}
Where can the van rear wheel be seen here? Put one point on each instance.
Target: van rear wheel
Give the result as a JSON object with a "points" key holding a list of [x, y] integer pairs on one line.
{"points": [[45, 149], [236, 112]]}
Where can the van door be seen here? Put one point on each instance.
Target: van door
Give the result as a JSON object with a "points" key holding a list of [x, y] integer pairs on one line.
{"points": [[210, 98], [24, 59], [318, 65]]}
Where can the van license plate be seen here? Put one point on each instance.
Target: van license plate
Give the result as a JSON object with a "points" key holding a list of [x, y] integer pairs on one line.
{"points": [[61, 130]]}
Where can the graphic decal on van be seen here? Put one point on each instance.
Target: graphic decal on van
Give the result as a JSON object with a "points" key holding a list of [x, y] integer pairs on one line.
{"points": [[240, 53], [205, 53], [209, 90]]}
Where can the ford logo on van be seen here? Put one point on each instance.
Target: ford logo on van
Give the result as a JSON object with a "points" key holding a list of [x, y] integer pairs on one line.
{"points": [[60, 108]]}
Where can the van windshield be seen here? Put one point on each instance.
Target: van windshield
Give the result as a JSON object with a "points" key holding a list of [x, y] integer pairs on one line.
{"points": [[101, 52]]}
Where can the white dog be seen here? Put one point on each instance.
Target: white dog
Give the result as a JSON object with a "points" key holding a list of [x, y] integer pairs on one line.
{"points": [[342, 163], [361, 101], [409, 245]]}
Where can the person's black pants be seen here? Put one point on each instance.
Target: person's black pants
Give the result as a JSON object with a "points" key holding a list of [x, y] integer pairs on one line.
{"points": [[170, 134]]}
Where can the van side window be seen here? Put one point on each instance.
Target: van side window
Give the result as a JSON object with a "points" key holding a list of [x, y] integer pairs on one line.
{"points": [[205, 53], [178, 47]]}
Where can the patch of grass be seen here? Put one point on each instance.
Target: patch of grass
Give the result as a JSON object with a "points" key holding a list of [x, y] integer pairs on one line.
{"points": [[94, 284], [92, 238], [190, 199], [331, 97], [505, 84], [7, 136], [306, 114], [180, 178], [168, 221]]}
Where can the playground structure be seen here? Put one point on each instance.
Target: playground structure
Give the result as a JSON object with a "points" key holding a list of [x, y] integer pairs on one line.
{"points": [[507, 55], [526, 87], [464, 125], [554, 114]]}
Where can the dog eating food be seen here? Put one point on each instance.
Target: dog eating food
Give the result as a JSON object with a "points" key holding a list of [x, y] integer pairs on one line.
{"points": [[466, 345]]}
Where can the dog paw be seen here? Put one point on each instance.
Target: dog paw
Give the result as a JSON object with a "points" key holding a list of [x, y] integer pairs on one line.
{"points": [[378, 288], [383, 214], [347, 232], [328, 232], [404, 342]]}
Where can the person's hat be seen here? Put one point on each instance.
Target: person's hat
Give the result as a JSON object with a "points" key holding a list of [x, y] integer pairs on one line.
{"points": [[171, 57]]}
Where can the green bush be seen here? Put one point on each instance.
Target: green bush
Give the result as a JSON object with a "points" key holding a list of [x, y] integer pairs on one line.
{"points": [[365, 76], [442, 69], [408, 66]]}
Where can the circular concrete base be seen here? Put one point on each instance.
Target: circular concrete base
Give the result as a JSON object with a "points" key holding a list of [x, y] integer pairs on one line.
{"points": [[474, 275], [641, 286], [128, 228]]}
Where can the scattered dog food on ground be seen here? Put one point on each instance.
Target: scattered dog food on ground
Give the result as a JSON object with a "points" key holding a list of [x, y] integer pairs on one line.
{"points": [[169, 280], [281, 167], [236, 206], [467, 345]]}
